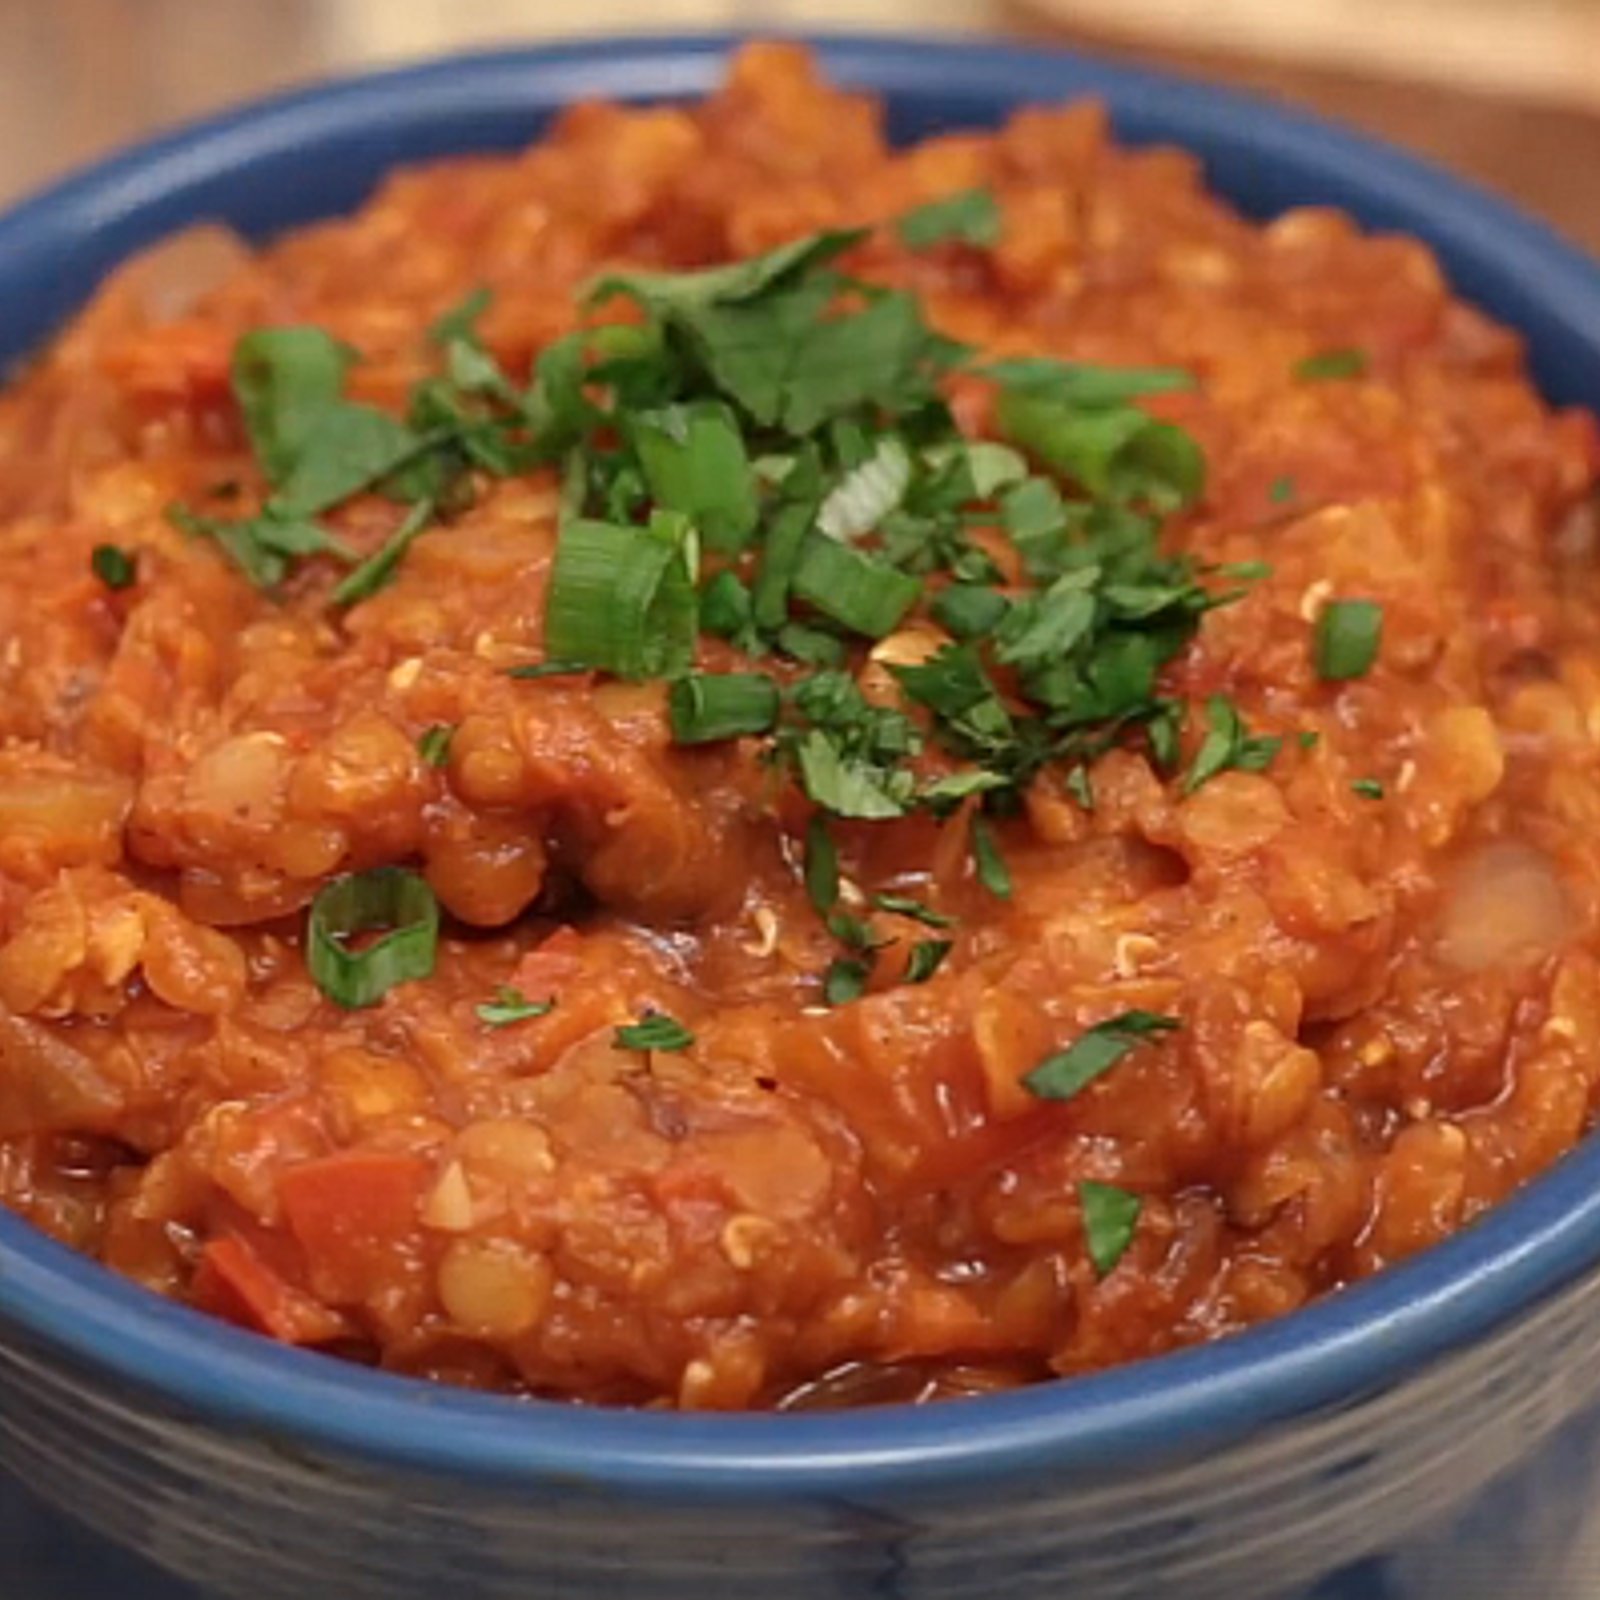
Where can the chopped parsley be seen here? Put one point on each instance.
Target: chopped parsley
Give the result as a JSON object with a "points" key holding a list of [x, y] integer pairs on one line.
{"points": [[1281, 490], [510, 1005], [655, 1030], [1093, 1053], [990, 865], [1346, 639], [902, 905], [1328, 365], [763, 454], [970, 217], [1110, 1216], [113, 566], [925, 959], [845, 980], [1228, 744], [434, 744]]}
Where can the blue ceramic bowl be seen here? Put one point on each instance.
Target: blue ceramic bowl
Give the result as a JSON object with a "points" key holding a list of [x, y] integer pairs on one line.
{"points": [[1433, 1434]]}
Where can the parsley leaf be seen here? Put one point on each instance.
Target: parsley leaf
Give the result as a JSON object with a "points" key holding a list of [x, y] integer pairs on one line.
{"points": [[1227, 744], [925, 959], [905, 906], [1110, 1216], [821, 865], [510, 1005], [655, 1030], [1328, 365], [113, 566], [991, 867], [845, 980], [1060, 1076], [970, 217], [694, 461], [434, 744]]}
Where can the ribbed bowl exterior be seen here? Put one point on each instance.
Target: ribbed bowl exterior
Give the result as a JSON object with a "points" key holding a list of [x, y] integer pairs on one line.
{"points": [[1479, 1479], [1431, 1435]]}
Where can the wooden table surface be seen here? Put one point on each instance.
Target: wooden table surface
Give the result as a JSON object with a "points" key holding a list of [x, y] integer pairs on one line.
{"points": [[78, 77]]}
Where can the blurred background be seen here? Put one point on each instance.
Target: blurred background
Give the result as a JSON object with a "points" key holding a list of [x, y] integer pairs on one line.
{"points": [[1505, 90]]}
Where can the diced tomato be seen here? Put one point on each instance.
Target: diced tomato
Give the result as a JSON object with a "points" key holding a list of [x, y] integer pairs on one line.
{"points": [[352, 1213], [234, 1282]]}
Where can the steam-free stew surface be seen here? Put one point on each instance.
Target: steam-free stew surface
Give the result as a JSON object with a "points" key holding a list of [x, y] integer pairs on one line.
{"points": [[1245, 996]]}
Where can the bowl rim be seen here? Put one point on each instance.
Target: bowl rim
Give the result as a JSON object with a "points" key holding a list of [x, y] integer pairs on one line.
{"points": [[1353, 1344]]}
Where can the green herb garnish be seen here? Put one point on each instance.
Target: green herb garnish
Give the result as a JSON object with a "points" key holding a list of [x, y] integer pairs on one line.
{"points": [[991, 867], [970, 217], [386, 898], [434, 743], [1110, 1216], [1345, 643], [113, 566], [655, 1030], [511, 1005], [1332, 364], [925, 959], [1228, 744], [1367, 788], [707, 706], [622, 597], [845, 980], [1094, 1052]]}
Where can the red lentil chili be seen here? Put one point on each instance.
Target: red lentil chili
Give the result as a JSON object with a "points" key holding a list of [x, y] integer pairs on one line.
{"points": [[720, 766]]}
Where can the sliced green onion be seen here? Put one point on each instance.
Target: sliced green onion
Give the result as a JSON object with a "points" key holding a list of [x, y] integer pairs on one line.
{"points": [[1368, 788], [1331, 364], [655, 1030], [1347, 637], [857, 591], [821, 865], [511, 1005], [867, 493], [1093, 1053], [387, 897], [708, 706], [622, 598], [1281, 490], [1110, 1216], [434, 744], [993, 873], [113, 566]]}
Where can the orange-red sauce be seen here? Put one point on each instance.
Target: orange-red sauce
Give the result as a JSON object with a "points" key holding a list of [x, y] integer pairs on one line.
{"points": [[1391, 1007]]}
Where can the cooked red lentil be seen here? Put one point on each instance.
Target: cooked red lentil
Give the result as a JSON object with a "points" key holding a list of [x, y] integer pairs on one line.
{"points": [[1125, 859]]}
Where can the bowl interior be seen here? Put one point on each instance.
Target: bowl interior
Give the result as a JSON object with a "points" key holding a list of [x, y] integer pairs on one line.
{"points": [[319, 152]]}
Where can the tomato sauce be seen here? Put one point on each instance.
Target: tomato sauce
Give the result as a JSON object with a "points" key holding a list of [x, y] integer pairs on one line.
{"points": [[1389, 993]]}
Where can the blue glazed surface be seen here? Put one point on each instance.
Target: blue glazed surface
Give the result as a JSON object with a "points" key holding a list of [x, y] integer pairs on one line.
{"points": [[1345, 1452]]}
